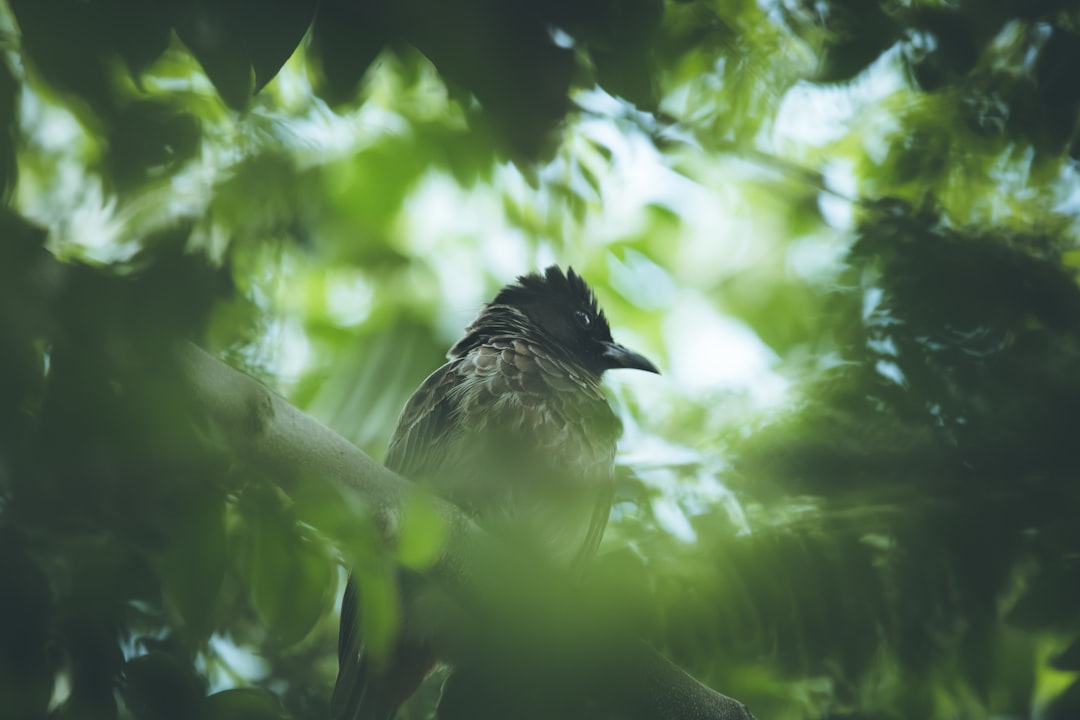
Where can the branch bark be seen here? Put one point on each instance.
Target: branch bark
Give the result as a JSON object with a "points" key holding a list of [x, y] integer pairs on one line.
{"points": [[306, 459]]}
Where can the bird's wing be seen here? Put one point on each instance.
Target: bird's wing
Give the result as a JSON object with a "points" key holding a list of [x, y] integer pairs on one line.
{"points": [[418, 449], [597, 522], [349, 689], [370, 691], [420, 446], [597, 467]]}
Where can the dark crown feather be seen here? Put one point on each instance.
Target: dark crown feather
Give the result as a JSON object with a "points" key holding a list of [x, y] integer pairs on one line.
{"points": [[534, 289], [552, 284]]}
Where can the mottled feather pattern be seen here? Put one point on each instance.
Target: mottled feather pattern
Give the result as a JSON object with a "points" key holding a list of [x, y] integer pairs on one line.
{"points": [[516, 431], [531, 418]]}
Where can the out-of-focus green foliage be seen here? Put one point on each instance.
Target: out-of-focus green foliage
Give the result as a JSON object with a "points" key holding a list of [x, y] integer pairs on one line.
{"points": [[846, 229]]}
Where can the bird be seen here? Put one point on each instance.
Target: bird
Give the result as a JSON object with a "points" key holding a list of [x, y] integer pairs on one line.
{"points": [[515, 429]]}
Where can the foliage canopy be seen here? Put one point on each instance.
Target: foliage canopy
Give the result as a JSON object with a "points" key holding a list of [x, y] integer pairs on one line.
{"points": [[848, 228]]}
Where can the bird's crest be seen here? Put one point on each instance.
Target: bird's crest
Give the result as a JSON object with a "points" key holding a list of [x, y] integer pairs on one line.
{"points": [[557, 305], [553, 284]]}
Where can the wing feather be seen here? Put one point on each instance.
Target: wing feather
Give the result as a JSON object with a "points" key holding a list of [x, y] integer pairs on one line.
{"points": [[420, 443], [503, 410], [418, 449]]}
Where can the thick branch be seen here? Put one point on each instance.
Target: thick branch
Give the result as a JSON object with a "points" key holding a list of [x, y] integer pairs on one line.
{"points": [[305, 458]]}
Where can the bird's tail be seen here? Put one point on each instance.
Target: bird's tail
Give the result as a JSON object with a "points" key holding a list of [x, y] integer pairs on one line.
{"points": [[362, 691]]}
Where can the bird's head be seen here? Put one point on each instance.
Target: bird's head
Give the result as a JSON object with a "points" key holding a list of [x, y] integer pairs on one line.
{"points": [[558, 308]]}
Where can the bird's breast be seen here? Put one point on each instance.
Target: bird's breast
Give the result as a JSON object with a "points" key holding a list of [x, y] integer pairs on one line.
{"points": [[539, 435], [531, 374]]}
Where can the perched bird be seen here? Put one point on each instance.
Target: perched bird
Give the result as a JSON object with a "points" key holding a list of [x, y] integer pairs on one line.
{"points": [[515, 429]]}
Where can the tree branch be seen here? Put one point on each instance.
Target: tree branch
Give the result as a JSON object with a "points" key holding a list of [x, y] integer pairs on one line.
{"points": [[308, 460]]}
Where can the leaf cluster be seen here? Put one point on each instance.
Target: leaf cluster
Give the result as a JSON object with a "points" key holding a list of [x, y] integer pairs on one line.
{"points": [[899, 540]]}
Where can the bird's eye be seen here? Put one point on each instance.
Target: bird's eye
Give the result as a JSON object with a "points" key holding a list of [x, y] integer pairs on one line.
{"points": [[583, 318]]}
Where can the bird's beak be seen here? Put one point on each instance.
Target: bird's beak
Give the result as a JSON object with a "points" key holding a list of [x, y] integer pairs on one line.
{"points": [[616, 356]]}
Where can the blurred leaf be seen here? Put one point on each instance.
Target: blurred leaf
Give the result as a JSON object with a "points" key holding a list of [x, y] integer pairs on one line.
{"points": [[860, 31], [159, 687], [27, 667], [242, 44], [28, 283], [1050, 600], [1068, 659], [422, 534], [627, 75], [520, 77], [96, 662], [9, 90], [347, 36], [949, 49], [1064, 706], [829, 526], [149, 139], [290, 575], [378, 610], [140, 31], [214, 33], [242, 704], [272, 32], [192, 564], [1058, 89], [67, 41]]}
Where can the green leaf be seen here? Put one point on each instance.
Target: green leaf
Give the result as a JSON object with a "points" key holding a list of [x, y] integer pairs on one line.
{"points": [[291, 574], [242, 704], [140, 30], [627, 74], [149, 139], [272, 30], [192, 565], [9, 130], [160, 687], [379, 612], [422, 535], [66, 40], [346, 37], [26, 608], [214, 33]]}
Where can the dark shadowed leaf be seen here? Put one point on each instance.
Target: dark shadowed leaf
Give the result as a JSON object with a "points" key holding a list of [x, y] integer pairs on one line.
{"points": [[1058, 89], [272, 30], [161, 687], [67, 41], [346, 37], [27, 667], [214, 32], [9, 89], [1050, 599], [290, 573], [150, 139], [1064, 706], [1068, 660], [242, 704], [140, 30], [627, 74], [860, 31], [193, 562]]}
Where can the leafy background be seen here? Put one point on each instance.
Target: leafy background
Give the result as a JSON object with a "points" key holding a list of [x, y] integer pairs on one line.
{"points": [[845, 229]]}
